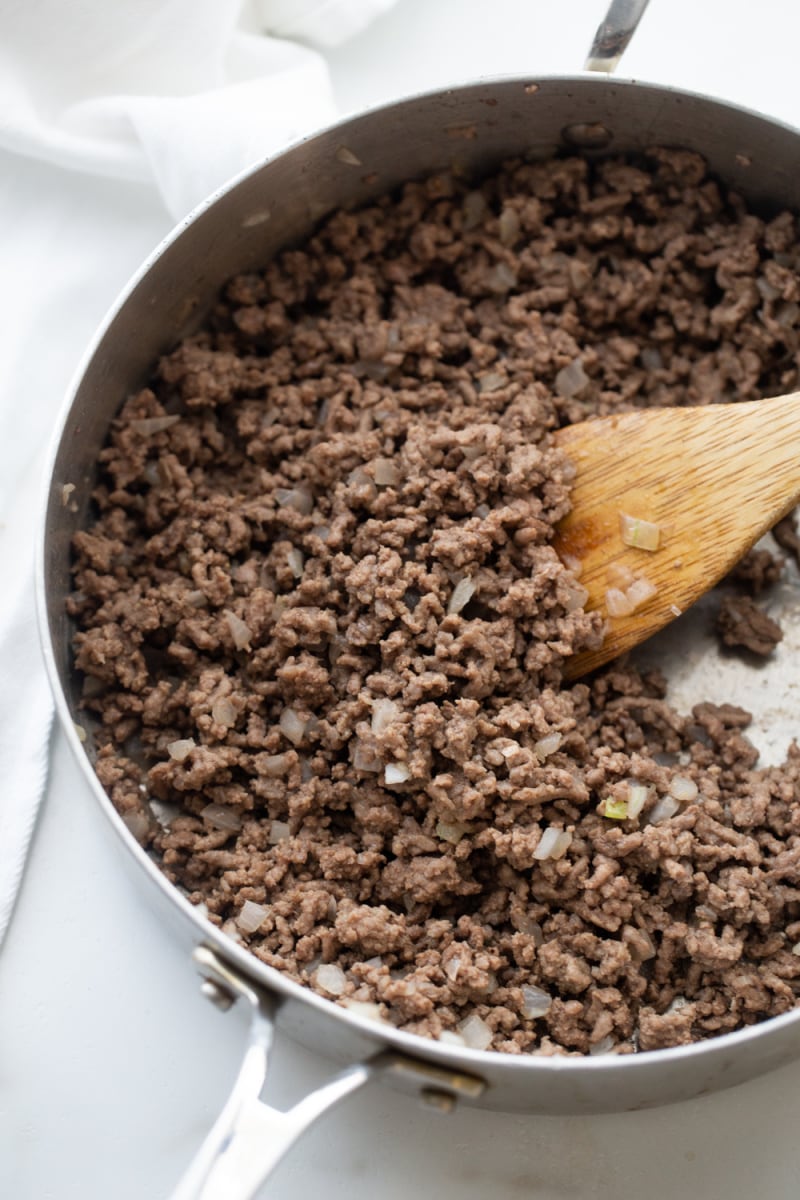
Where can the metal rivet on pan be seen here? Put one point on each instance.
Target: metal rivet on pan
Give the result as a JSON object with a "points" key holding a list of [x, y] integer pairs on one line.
{"points": [[217, 994], [435, 1098], [588, 136]]}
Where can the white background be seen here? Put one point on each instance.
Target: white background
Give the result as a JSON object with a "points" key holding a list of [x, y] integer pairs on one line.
{"points": [[111, 1063]]}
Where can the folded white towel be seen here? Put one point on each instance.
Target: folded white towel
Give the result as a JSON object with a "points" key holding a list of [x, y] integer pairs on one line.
{"points": [[187, 92]]}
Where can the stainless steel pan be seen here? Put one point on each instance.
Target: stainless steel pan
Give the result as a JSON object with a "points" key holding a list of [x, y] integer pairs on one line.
{"points": [[472, 128]]}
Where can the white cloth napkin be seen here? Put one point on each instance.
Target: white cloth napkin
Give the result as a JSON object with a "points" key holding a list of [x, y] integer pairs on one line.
{"points": [[185, 92], [169, 99]]}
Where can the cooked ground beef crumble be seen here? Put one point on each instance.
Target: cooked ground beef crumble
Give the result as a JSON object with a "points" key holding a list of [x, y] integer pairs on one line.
{"points": [[322, 627]]}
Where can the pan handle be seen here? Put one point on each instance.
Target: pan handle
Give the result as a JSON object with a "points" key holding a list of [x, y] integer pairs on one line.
{"points": [[249, 1138], [613, 34]]}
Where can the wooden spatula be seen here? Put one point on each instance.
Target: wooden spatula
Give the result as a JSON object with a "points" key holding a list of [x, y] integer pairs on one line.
{"points": [[712, 480]]}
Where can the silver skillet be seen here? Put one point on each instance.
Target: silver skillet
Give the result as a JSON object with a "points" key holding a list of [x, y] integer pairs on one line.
{"points": [[471, 128]]}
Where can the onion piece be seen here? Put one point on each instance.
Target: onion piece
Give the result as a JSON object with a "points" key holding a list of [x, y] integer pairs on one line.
{"points": [[535, 1002], [387, 473], [620, 576], [571, 379], [617, 603], [279, 831], [296, 561], [239, 631], [665, 808], [298, 498], [553, 843], [148, 425], [384, 713], [451, 1038], [475, 1032], [508, 226], [640, 591], [223, 712], [452, 967], [451, 831], [137, 823], [331, 978], [396, 772], [364, 1008], [637, 798], [487, 383], [547, 745], [644, 535], [274, 765], [181, 749], [292, 726], [462, 594], [604, 1046], [251, 916], [683, 789], [501, 278], [222, 817]]}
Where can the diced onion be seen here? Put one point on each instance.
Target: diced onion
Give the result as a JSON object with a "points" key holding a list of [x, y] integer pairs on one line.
{"points": [[796, 949], [617, 603], [665, 808], [604, 1046], [452, 967], [501, 278], [640, 591], [387, 473], [620, 576], [553, 843], [364, 1008], [451, 831], [295, 560], [575, 598], [292, 726], [475, 1032], [331, 979], [251, 916], [278, 832], [222, 817], [683, 789], [148, 425], [299, 498], [239, 631], [488, 383], [474, 208], [81, 732], [451, 1038], [181, 749], [345, 155], [571, 379], [614, 808], [637, 798], [644, 535], [396, 772], [224, 712], [535, 1002], [462, 594], [384, 713], [274, 764], [547, 745], [137, 823], [508, 226]]}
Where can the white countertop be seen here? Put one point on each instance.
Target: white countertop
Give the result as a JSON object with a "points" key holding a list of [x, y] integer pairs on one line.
{"points": [[112, 1065]]}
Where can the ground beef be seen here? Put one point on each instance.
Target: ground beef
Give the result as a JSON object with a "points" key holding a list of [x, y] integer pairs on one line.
{"points": [[322, 627], [740, 622]]}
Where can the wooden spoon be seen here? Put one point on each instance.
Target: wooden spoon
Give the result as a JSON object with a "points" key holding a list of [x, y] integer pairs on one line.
{"points": [[713, 479]]}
